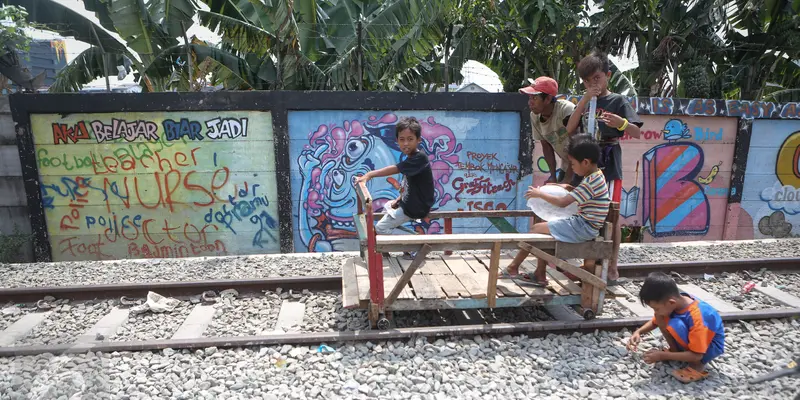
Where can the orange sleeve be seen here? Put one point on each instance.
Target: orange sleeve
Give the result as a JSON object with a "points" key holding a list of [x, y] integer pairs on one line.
{"points": [[699, 335]]}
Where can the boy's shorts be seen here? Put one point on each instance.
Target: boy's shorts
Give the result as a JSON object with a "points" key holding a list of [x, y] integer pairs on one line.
{"points": [[391, 220], [574, 229], [680, 333]]}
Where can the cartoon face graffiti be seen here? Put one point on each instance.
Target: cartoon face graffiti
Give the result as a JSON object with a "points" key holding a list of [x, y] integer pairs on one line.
{"points": [[336, 155]]}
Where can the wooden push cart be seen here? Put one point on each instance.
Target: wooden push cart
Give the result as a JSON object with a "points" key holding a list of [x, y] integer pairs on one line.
{"points": [[470, 281]]}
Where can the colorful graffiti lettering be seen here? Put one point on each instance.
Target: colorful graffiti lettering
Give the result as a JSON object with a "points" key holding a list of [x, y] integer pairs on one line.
{"points": [[674, 202], [155, 188], [336, 155]]}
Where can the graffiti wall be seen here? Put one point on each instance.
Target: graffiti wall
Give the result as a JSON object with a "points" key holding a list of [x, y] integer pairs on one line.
{"points": [[770, 205], [474, 157], [159, 184], [676, 177]]}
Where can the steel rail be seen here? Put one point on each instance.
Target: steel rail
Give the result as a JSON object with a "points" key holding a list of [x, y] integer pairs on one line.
{"points": [[529, 328], [334, 282]]}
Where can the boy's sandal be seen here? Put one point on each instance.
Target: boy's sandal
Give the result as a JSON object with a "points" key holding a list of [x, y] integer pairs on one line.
{"points": [[689, 374], [531, 280], [504, 274]]}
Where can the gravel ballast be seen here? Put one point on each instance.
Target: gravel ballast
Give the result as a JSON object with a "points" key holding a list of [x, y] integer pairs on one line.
{"points": [[149, 325], [577, 366], [262, 266]]}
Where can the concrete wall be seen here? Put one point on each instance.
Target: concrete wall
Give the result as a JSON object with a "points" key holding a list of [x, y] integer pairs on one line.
{"points": [[131, 176], [146, 185], [13, 202], [771, 200]]}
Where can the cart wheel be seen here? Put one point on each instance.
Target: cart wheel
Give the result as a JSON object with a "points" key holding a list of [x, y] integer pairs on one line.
{"points": [[383, 324], [588, 314]]}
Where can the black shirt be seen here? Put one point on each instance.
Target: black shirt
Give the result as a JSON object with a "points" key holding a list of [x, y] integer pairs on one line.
{"points": [[418, 191], [611, 156]]}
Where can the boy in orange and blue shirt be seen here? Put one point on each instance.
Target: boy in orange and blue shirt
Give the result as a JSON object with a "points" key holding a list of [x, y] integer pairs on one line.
{"points": [[691, 326]]}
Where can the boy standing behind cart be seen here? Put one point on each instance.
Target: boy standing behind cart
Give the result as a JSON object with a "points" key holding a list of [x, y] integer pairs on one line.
{"points": [[613, 119]]}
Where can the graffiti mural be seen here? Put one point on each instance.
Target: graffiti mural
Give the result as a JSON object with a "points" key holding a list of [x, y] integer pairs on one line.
{"points": [[676, 177], [473, 156], [145, 185], [771, 196]]}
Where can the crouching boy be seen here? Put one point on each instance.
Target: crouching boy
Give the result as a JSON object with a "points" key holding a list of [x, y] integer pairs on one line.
{"points": [[693, 329], [592, 197]]}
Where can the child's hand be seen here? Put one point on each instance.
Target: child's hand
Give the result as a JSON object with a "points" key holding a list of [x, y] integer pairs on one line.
{"points": [[633, 342], [363, 179], [532, 193], [653, 356], [592, 91], [612, 120], [395, 203]]}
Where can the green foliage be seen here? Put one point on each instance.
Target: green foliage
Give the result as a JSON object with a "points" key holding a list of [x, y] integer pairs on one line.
{"points": [[13, 21], [10, 245]]}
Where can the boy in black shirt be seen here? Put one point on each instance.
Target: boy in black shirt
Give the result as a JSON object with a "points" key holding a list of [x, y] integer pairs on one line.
{"points": [[417, 191], [614, 118]]}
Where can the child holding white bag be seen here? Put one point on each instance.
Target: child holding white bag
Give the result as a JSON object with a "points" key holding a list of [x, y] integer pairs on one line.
{"points": [[592, 198]]}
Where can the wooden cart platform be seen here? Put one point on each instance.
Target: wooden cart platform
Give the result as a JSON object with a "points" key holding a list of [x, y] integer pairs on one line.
{"points": [[384, 283], [455, 281]]}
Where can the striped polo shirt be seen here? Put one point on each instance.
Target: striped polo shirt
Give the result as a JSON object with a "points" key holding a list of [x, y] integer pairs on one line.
{"points": [[592, 197]]}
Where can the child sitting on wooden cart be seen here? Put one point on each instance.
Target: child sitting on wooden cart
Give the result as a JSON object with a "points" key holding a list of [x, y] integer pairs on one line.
{"points": [[593, 202]]}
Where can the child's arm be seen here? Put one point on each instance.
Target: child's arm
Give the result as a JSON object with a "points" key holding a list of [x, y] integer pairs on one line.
{"points": [[575, 118], [559, 201], [385, 171], [566, 186]]}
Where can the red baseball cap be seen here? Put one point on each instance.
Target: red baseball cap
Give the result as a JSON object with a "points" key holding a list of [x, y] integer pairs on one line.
{"points": [[542, 84]]}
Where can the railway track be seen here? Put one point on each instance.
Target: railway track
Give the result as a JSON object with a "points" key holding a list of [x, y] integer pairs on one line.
{"points": [[290, 310]]}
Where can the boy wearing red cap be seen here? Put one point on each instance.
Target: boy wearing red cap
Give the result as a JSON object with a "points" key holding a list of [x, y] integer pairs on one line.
{"points": [[549, 118]]}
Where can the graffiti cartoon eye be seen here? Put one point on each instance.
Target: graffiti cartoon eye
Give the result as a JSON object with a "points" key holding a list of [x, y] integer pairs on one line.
{"points": [[356, 149]]}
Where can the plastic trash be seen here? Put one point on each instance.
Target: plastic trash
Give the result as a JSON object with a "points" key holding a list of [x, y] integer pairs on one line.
{"points": [[549, 212], [748, 287], [325, 349], [708, 277]]}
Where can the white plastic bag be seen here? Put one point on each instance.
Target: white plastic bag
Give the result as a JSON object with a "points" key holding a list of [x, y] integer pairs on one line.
{"points": [[549, 212]]}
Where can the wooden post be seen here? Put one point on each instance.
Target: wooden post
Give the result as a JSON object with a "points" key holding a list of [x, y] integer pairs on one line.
{"points": [[494, 266], [448, 229], [359, 55], [418, 261]]}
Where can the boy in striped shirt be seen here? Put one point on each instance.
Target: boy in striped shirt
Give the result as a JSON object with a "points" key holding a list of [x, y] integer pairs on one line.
{"points": [[591, 194]]}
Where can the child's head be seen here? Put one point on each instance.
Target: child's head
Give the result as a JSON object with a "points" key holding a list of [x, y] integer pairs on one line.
{"points": [[595, 70], [661, 293], [409, 134], [583, 153]]}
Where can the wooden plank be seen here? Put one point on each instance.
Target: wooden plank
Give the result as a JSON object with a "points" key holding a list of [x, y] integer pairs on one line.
{"points": [[361, 227], [494, 266], [451, 286], [585, 276], [509, 287], [435, 266], [462, 238], [632, 304], [391, 274], [596, 250], [477, 214], [714, 301], [22, 327], [361, 267], [464, 273], [779, 296], [363, 288], [290, 317], [196, 323], [423, 288], [481, 273], [363, 193], [565, 282], [350, 297]]}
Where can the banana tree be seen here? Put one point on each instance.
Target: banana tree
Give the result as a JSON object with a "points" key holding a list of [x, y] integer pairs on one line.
{"points": [[764, 48], [150, 31], [324, 44]]}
